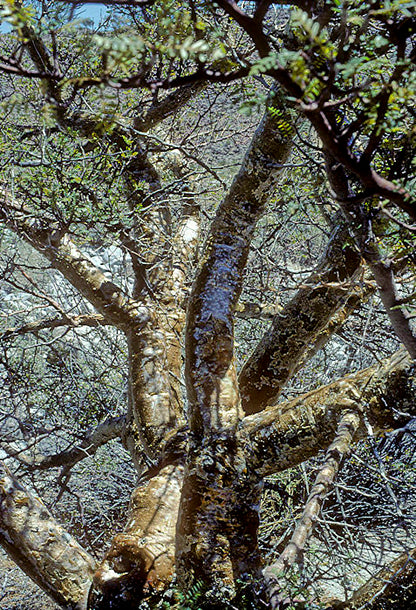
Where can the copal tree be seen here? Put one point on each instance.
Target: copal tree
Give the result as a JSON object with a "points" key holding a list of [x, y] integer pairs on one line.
{"points": [[91, 157]]}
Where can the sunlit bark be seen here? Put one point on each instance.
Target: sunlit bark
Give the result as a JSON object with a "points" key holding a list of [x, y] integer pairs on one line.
{"points": [[217, 528], [286, 345], [41, 547], [287, 434], [294, 550], [142, 558]]}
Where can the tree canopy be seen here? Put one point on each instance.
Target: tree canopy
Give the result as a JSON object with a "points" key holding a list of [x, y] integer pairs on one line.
{"points": [[208, 223]]}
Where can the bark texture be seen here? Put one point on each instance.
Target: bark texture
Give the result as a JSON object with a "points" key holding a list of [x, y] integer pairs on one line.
{"points": [[328, 471], [218, 518], [281, 352], [41, 547], [287, 434], [142, 558]]}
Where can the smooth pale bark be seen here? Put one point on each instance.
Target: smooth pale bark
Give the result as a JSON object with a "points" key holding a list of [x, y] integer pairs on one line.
{"points": [[285, 435], [142, 558], [41, 547], [284, 347], [217, 528], [324, 481], [108, 299]]}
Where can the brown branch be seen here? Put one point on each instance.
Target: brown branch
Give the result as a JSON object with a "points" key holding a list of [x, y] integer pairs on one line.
{"points": [[382, 270], [247, 310], [251, 25], [373, 183], [93, 320], [324, 481], [41, 547]]}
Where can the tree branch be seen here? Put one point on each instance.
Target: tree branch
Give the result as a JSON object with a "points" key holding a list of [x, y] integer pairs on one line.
{"points": [[393, 587], [324, 481], [41, 547], [214, 482], [111, 428], [382, 270], [93, 320], [109, 300], [290, 433], [142, 558], [282, 350]]}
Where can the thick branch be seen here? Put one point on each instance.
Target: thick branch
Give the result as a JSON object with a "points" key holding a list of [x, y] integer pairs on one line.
{"points": [[109, 300], [142, 558], [219, 483], [286, 435], [41, 547], [283, 348]]}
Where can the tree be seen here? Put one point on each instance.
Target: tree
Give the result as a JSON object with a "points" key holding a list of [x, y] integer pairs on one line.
{"points": [[95, 153]]}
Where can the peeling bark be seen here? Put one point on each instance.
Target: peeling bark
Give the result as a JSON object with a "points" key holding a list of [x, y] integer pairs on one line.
{"points": [[219, 505], [155, 405], [41, 547], [287, 434], [283, 349]]}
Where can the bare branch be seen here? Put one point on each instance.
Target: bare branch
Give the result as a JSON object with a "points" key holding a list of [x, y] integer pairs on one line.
{"points": [[109, 300], [111, 428], [93, 320], [324, 481], [382, 270], [288, 434], [393, 587], [282, 350]]}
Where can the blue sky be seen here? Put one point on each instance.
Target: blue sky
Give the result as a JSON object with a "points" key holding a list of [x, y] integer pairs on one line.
{"points": [[92, 11], [88, 11]]}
